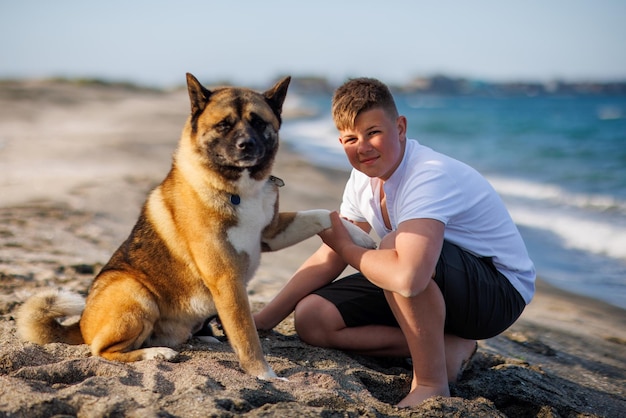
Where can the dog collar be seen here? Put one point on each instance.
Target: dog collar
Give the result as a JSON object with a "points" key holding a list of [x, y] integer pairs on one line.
{"points": [[235, 199]]}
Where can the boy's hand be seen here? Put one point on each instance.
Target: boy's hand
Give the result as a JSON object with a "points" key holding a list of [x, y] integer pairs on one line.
{"points": [[337, 236]]}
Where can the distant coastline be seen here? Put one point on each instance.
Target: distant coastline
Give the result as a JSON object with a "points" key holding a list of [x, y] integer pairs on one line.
{"points": [[459, 86], [433, 85]]}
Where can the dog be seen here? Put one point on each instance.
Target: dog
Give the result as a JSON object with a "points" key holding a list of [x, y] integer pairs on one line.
{"points": [[196, 244]]}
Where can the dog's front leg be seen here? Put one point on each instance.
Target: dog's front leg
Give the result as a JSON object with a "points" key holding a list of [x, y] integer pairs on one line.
{"points": [[293, 227], [231, 301]]}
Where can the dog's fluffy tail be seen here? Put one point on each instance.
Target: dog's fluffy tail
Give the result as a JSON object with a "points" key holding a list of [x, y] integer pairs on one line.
{"points": [[39, 318]]}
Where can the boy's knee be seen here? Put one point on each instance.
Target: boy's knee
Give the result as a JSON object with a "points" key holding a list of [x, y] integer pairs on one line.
{"points": [[311, 322], [304, 320]]}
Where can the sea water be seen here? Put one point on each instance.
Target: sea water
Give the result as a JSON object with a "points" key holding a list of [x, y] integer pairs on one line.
{"points": [[559, 164]]}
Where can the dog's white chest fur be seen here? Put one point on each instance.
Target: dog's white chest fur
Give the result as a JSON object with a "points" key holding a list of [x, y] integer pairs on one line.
{"points": [[254, 212]]}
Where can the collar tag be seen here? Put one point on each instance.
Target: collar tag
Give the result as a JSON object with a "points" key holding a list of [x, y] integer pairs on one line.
{"points": [[235, 199], [278, 182]]}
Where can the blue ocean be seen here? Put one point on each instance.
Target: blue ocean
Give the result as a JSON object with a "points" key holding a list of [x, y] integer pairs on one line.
{"points": [[559, 163]]}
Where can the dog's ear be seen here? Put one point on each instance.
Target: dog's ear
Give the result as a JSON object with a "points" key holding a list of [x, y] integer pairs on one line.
{"points": [[276, 95], [198, 95]]}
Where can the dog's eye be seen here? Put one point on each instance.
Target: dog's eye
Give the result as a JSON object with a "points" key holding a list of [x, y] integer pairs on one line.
{"points": [[257, 123], [224, 126]]}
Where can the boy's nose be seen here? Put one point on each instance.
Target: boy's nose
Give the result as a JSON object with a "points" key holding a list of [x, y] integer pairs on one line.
{"points": [[364, 145]]}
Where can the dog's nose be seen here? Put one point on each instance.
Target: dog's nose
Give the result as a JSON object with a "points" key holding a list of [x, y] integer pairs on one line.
{"points": [[245, 143]]}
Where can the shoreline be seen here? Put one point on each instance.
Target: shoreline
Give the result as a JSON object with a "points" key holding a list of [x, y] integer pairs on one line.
{"points": [[79, 164]]}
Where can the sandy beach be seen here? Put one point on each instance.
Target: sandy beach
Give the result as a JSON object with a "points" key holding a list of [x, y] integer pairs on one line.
{"points": [[76, 164]]}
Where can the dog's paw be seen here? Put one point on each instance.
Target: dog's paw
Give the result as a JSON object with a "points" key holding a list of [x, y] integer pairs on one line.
{"points": [[159, 353], [270, 375], [360, 237]]}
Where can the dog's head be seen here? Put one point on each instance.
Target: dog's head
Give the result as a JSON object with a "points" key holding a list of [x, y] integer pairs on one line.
{"points": [[236, 129]]}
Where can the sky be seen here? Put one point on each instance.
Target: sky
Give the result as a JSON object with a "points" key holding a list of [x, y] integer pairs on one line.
{"points": [[155, 42]]}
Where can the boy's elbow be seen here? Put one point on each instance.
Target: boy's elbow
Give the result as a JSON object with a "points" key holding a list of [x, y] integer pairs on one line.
{"points": [[409, 287], [409, 292]]}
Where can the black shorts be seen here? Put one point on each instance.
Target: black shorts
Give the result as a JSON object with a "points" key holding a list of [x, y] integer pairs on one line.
{"points": [[480, 301]]}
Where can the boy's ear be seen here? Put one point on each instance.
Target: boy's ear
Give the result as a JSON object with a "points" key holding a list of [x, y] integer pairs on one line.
{"points": [[401, 124]]}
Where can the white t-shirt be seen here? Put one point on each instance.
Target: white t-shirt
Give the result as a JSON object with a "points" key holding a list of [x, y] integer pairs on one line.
{"points": [[430, 185]]}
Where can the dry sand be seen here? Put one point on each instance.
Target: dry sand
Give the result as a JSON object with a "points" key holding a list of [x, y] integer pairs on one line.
{"points": [[76, 163]]}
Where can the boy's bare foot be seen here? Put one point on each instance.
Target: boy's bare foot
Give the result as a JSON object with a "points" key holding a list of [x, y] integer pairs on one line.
{"points": [[421, 393], [459, 352]]}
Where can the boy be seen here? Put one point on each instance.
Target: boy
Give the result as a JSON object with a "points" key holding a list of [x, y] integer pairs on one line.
{"points": [[451, 267]]}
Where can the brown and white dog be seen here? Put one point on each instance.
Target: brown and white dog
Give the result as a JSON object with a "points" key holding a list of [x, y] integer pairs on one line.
{"points": [[196, 244]]}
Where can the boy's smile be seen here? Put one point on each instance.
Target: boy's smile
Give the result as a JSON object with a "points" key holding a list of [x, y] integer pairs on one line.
{"points": [[375, 145]]}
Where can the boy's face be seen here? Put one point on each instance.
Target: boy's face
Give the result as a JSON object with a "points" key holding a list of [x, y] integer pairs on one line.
{"points": [[375, 145]]}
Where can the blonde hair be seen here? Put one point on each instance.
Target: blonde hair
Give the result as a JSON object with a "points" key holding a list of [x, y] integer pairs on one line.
{"points": [[359, 95]]}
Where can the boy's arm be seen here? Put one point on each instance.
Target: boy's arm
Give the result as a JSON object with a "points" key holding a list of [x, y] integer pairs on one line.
{"points": [[406, 260], [318, 270]]}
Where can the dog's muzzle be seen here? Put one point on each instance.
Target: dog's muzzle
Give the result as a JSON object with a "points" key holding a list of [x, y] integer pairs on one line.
{"points": [[248, 151]]}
